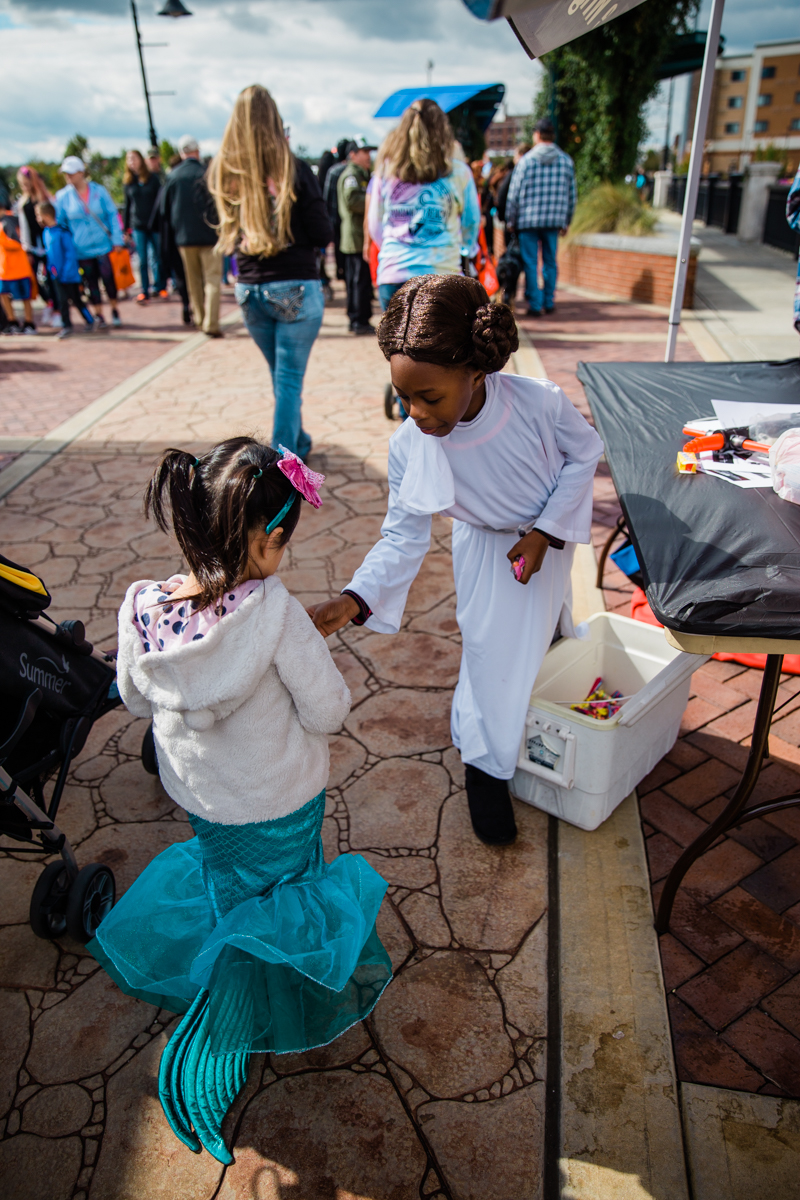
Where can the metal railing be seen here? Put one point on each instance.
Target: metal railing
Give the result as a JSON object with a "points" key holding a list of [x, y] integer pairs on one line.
{"points": [[777, 231], [718, 200]]}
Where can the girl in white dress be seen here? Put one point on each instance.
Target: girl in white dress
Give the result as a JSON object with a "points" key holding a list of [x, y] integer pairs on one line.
{"points": [[511, 460]]}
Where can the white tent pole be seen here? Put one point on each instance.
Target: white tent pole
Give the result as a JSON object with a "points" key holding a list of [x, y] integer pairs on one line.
{"points": [[693, 178]]}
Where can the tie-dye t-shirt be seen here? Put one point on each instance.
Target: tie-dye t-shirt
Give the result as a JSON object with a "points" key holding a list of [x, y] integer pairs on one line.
{"points": [[422, 227], [163, 625]]}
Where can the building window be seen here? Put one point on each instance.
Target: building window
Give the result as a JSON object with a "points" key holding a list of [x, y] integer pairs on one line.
{"points": [[732, 127], [737, 76], [761, 127], [735, 101], [794, 125], [768, 72], [764, 99], [797, 97]]}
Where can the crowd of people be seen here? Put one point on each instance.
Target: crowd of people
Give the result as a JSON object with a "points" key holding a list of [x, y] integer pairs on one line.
{"points": [[417, 209], [73, 248]]}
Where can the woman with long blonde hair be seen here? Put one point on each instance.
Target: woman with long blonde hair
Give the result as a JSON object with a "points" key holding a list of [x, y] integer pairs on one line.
{"points": [[272, 216], [424, 207]]}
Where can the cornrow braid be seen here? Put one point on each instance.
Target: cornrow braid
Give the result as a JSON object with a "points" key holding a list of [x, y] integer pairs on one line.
{"points": [[448, 320]]}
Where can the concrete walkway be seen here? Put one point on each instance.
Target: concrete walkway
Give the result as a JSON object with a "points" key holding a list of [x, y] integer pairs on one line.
{"points": [[744, 295]]}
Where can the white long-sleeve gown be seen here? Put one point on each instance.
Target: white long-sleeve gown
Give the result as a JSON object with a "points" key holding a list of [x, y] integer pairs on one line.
{"points": [[528, 455]]}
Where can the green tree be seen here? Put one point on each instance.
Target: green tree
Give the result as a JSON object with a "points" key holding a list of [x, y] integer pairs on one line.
{"points": [[598, 87], [167, 151], [77, 144]]}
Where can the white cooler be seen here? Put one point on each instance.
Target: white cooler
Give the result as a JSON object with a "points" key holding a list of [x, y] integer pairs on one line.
{"points": [[587, 767]]}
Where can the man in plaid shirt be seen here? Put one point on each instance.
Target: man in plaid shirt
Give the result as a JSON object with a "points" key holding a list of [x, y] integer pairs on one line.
{"points": [[541, 201]]}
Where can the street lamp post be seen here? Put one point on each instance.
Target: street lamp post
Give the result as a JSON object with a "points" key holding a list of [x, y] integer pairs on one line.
{"points": [[153, 138], [172, 8]]}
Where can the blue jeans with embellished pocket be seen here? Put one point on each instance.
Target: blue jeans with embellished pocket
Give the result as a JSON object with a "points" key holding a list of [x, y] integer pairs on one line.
{"points": [[283, 319]]}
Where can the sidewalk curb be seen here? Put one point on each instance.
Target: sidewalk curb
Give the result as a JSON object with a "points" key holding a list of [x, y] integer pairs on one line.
{"points": [[620, 1135], [42, 450]]}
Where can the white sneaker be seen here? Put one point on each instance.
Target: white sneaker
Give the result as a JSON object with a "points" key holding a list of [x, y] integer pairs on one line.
{"points": [[46, 317], [56, 322]]}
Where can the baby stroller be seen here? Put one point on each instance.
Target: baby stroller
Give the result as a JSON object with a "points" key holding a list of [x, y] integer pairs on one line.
{"points": [[53, 686]]}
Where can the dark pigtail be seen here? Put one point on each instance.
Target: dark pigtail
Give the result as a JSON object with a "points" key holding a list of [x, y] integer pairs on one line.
{"points": [[212, 504], [448, 320]]}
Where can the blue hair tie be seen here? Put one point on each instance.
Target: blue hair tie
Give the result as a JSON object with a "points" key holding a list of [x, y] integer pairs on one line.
{"points": [[257, 474]]}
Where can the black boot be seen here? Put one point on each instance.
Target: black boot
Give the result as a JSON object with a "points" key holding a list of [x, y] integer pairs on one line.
{"points": [[490, 808]]}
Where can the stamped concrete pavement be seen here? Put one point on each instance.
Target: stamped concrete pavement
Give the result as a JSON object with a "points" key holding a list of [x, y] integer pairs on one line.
{"points": [[441, 1093]]}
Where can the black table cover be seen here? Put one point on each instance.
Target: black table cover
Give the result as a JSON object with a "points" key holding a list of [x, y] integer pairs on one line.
{"points": [[716, 559]]}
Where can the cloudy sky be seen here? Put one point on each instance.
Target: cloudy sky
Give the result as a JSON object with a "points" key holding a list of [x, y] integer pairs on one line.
{"points": [[70, 65]]}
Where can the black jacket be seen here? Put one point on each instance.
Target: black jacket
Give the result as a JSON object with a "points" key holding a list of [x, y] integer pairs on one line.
{"points": [[140, 200], [187, 206], [311, 230], [502, 195]]}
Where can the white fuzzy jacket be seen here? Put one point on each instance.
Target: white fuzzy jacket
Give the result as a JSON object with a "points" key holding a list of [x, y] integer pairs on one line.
{"points": [[240, 718]]}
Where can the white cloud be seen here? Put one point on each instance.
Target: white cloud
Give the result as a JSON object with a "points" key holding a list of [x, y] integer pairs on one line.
{"points": [[71, 67]]}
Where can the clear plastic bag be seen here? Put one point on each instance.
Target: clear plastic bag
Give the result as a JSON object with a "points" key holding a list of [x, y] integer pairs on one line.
{"points": [[768, 429], [784, 459]]}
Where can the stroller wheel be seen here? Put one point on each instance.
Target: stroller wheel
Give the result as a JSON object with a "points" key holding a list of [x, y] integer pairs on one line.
{"points": [[388, 402], [91, 898], [149, 757], [49, 901]]}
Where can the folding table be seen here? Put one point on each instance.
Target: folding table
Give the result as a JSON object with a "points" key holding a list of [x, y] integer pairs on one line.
{"points": [[721, 564]]}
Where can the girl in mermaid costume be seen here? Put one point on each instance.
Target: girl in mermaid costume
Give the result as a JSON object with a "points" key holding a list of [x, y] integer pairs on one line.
{"points": [[244, 929]]}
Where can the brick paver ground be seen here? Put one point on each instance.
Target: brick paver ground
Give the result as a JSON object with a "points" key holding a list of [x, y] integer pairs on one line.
{"points": [[731, 960], [440, 1093], [45, 381]]}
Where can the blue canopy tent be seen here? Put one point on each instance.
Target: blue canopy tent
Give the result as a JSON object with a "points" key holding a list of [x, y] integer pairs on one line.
{"points": [[471, 107]]}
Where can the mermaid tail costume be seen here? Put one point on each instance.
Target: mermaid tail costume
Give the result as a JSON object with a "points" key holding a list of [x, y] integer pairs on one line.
{"points": [[260, 943]]}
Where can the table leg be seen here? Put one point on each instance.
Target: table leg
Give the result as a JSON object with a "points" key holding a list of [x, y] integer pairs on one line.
{"points": [[619, 528], [731, 814]]}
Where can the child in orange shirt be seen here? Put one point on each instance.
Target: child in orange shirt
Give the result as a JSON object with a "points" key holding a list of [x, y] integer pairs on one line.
{"points": [[16, 277]]}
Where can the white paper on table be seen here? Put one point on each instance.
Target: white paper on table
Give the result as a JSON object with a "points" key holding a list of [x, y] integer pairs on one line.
{"points": [[742, 472], [732, 414]]}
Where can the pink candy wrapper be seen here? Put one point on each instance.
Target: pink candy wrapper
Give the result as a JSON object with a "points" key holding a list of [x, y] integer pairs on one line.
{"points": [[519, 567]]}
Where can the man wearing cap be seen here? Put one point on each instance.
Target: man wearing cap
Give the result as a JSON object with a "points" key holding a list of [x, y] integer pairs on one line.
{"points": [[351, 191], [91, 216], [190, 213], [541, 201]]}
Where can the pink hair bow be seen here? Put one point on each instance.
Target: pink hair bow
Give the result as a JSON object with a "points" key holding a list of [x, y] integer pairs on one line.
{"points": [[300, 477]]}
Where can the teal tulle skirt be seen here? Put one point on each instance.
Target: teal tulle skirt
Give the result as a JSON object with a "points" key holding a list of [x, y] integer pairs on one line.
{"points": [[281, 945]]}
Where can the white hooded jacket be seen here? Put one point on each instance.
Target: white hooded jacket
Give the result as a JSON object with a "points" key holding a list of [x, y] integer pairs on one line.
{"points": [[241, 717]]}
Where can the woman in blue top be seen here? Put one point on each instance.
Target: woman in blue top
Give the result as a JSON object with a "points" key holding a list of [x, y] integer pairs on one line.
{"points": [[424, 211], [87, 210]]}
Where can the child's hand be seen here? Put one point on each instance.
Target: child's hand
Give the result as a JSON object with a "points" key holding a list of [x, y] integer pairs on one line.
{"points": [[332, 615], [532, 548]]}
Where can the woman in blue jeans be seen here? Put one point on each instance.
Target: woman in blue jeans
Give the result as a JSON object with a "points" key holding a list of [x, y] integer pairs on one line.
{"points": [[141, 188], [272, 216]]}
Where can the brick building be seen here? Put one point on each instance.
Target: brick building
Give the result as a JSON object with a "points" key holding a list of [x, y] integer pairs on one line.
{"points": [[504, 133], [756, 103]]}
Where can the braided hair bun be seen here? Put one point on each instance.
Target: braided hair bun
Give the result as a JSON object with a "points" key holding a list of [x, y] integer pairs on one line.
{"points": [[494, 337], [448, 320]]}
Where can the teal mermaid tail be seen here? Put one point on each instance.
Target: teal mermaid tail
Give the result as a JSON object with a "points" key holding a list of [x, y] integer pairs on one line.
{"points": [[196, 1088], [260, 943]]}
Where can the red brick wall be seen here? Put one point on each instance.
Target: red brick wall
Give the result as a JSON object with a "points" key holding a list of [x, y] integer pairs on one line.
{"points": [[624, 274]]}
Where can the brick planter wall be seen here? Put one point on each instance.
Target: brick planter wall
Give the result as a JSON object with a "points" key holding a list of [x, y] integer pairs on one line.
{"points": [[626, 268]]}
